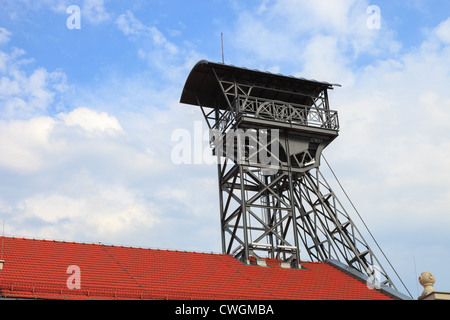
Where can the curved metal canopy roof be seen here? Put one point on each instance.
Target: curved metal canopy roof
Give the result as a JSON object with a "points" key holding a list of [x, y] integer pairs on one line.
{"points": [[202, 85]]}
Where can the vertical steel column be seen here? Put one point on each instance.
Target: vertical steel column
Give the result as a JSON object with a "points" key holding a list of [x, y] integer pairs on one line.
{"points": [[292, 210]]}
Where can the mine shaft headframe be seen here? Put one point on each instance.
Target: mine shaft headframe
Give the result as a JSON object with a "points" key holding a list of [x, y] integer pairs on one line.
{"points": [[272, 209], [234, 98]]}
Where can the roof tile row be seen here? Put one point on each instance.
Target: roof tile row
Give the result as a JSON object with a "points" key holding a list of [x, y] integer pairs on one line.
{"points": [[39, 268]]}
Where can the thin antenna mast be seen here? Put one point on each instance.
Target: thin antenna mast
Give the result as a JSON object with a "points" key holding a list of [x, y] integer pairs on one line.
{"points": [[221, 38], [2, 262], [415, 271], [3, 236]]}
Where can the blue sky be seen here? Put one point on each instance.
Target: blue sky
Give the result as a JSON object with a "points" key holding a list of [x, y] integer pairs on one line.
{"points": [[87, 116]]}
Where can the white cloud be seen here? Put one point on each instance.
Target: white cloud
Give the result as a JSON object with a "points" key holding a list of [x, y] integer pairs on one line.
{"points": [[23, 144], [94, 11], [101, 212], [92, 121], [171, 61], [102, 187], [4, 36], [25, 94], [443, 31], [324, 60], [42, 142], [131, 26], [76, 178], [311, 38], [81, 174], [328, 14]]}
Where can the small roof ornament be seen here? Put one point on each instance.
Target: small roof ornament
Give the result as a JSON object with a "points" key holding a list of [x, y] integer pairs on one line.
{"points": [[427, 280]]}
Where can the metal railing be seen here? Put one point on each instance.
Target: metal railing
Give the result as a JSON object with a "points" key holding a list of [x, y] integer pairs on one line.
{"points": [[290, 113]]}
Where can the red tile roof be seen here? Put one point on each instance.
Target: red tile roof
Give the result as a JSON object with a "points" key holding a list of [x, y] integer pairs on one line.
{"points": [[39, 269]]}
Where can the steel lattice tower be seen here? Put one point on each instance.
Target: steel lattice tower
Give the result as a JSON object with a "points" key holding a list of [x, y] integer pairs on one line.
{"points": [[268, 132]]}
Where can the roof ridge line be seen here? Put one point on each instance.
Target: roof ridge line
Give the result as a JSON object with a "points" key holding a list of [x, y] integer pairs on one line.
{"points": [[128, 271], [249, 278], [18, 237]]}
